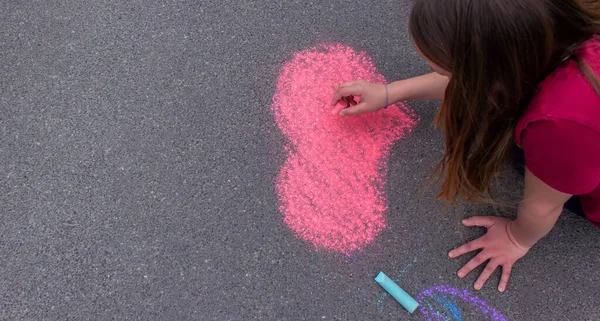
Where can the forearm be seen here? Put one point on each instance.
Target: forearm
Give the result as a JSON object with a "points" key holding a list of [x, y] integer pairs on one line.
{"points": [[541, 207], [533, 222], [426, 87]]}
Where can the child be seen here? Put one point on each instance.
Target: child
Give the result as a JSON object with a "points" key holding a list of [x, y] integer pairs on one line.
{"points": [[507, 71]]}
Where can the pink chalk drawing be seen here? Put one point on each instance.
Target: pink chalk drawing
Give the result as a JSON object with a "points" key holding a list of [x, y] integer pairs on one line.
{"points": [[331, 187]]}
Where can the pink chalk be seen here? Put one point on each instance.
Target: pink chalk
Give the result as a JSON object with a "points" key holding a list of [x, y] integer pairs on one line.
{"points": [[331, 187]]}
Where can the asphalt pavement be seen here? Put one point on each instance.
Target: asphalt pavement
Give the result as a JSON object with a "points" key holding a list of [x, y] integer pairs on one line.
{"points": [[138, 165]]}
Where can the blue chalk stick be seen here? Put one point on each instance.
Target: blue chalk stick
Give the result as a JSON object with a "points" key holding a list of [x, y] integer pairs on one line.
{"points": [[394, 290]]}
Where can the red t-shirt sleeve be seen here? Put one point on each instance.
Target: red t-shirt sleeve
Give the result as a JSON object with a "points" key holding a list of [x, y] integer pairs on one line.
{"points": [[563, 154]]}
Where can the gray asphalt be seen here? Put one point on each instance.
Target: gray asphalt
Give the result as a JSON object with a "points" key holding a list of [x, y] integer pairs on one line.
{"points": [[138, 158]]}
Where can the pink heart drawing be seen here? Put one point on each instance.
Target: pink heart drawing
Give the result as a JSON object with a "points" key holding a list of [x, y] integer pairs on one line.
{"points": [[331, 187]]}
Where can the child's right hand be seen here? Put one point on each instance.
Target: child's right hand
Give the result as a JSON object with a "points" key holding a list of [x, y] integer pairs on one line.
{"points": [[372, 97]]}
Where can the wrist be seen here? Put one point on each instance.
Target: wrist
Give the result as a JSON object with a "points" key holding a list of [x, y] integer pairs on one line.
{"points": [[512, 236], [397, 92], [387, 96]]}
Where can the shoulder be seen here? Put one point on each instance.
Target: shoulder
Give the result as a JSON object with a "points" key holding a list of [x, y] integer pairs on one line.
{"points": [[567, 94], [568, 86], [562, 130], [564, 154]]}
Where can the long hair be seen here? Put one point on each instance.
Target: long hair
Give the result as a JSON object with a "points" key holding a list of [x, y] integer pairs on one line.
{"points": [[497, 52]]}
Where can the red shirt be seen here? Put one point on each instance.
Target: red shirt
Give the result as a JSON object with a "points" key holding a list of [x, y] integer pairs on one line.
{"points": [[560, 132]]}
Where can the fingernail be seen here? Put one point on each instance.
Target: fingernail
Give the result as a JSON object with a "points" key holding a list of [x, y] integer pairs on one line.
{"points": [[460, 275], [477, 286], [501, 289], [451, 254]]}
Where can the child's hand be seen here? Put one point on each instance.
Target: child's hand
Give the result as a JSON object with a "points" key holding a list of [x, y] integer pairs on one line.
{"points": [[372, 97], [496, 245]]}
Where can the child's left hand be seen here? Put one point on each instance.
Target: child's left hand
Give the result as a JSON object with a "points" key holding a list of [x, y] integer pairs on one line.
{"points": [[496, 246]]}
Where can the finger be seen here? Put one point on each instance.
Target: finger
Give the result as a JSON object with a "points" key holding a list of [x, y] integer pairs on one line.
{"points": [[506, 269], [475, 262], [343, 103], [353, 90], [466, 248], [485, 275], [483, 221], [349, 100], [354, 110], [349, 83], [338, 108]]}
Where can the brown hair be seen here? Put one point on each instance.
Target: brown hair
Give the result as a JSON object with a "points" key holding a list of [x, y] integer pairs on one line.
{"points": [[497, 52]]}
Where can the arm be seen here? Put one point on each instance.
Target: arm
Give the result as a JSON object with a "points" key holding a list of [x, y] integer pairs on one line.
{"points": [[537, 214], [430, 86], [562, 159], [373, 96], [507, 241]]}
